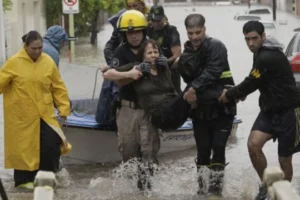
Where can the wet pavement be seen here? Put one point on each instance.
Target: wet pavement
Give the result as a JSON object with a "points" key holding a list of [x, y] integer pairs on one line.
{"points": [[176, 178]]}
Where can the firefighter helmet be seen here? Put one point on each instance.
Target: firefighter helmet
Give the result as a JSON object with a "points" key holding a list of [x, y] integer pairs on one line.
{"points": [[132, 20]]}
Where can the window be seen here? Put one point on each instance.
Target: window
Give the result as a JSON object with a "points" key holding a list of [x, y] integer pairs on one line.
{"points": [[298, 45], [37, 15], [259, 11], [289, 49], [269, 25], [247, 18], [24, 20]]}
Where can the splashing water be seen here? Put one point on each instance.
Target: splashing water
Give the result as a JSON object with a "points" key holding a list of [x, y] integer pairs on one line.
{"points": [[174, 180]]}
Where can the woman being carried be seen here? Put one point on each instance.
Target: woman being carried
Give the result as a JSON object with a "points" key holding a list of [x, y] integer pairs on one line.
{"points": [[155, 91]]}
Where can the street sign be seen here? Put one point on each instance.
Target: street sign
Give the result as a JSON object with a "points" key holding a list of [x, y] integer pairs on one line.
{"points": [[149, 3], [70, 6]]}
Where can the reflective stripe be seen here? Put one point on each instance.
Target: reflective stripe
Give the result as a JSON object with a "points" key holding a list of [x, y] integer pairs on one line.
{"points": [[226, 74]]}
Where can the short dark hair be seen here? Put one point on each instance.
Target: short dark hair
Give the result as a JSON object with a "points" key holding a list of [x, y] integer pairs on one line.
{"points": [[30, 37], [141, 51], [255, 26], [24, 38], [194, 20]]}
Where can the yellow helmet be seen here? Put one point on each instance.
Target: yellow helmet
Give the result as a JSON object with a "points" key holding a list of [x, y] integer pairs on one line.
{"points": [[132, 20], [134, 1]]}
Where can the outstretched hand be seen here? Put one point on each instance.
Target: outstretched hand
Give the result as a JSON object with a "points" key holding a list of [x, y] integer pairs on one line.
{"points": [[135, 73], [62, 121], [144, 67], [223, 98], [104, 69], [162, 61], [190, 96]]}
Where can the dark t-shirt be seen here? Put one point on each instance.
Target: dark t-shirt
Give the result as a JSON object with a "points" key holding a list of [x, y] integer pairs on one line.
{"points": [[152, 90], [167, 38], [272, 75], [122, 56]]}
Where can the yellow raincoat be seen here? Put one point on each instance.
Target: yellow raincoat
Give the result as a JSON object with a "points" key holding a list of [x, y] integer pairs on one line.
{"points": [[29, 90]]}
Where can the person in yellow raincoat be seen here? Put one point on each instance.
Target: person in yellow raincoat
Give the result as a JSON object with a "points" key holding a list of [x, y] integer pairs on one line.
{"points": [[31, 84]]}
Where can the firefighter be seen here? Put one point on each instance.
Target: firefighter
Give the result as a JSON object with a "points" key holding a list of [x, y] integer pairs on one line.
{"points": [[204, 66]]}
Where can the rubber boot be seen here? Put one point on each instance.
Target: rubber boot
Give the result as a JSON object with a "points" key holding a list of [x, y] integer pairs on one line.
{"points": [[216, 179], [201, 180], [145, 170]]}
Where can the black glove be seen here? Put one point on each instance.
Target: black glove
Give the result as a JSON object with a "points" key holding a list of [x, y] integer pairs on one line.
{"points": [[144, 67], [162, 61]]}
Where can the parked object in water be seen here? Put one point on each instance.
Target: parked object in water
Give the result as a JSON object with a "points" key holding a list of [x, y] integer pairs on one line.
{"points": [[246, 17], [268, 24], [293, 54], [92, 144], [259, 11]]}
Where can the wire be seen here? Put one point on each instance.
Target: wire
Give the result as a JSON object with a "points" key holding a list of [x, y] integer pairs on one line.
{"points": [[93, 97]]}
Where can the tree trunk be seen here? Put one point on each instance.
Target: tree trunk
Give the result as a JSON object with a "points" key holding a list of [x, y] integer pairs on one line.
{"points": [[94, 31]]}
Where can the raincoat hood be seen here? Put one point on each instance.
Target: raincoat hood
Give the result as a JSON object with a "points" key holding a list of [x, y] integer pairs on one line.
{"points": [[55, 35], [114, 19], [272, 43], [24, 55]]}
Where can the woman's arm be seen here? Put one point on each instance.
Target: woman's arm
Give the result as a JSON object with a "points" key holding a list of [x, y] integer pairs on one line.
{"points": [[60, 93], [6, 74], [122, 76], [119, 73]]}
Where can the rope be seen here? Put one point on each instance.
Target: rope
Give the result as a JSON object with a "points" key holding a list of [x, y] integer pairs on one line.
{"points": [[93, 97]]}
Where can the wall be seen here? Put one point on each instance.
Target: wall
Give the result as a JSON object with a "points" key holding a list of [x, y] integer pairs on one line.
{"points": [[297, 10], [26, 15], [281, 5]]}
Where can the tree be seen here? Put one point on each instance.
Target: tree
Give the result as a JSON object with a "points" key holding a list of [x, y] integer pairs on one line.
{"points": [[87, 19], [53, 10], [7, 5], [110, 6]]}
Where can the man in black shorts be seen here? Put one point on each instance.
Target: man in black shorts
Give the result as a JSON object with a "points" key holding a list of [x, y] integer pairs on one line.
{"points": [[279, 102]]}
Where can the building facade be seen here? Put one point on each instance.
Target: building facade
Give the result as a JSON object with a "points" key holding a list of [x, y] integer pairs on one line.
{"points": [[25, 15]]}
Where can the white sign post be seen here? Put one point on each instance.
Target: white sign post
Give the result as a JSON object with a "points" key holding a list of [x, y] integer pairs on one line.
{"points": [[71, 7], [149, 3]]}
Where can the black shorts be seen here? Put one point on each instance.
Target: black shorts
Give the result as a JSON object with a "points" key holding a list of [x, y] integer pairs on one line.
{"points": [[284, 126]]}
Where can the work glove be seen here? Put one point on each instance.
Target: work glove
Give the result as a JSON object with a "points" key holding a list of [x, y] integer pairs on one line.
{"points": [[162, 62], [144, 67]]}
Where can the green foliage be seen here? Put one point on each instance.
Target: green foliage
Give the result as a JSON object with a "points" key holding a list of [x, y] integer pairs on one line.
{"points": [[87, 12], [112, 6], [7, 5], [53, 10]]}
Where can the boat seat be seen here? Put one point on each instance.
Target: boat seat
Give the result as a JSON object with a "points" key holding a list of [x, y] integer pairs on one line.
{"points": [[89, 121]]}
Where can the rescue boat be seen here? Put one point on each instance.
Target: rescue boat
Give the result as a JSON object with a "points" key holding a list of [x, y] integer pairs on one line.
{"points": [[92, 144]]}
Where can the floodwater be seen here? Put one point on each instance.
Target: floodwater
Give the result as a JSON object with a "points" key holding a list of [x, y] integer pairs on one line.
{"points": [[176, 178]]}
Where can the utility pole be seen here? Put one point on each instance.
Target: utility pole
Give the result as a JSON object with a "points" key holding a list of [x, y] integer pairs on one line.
{"points": [[71, 7], [71, 35], [2, 35], [274, 10]]}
